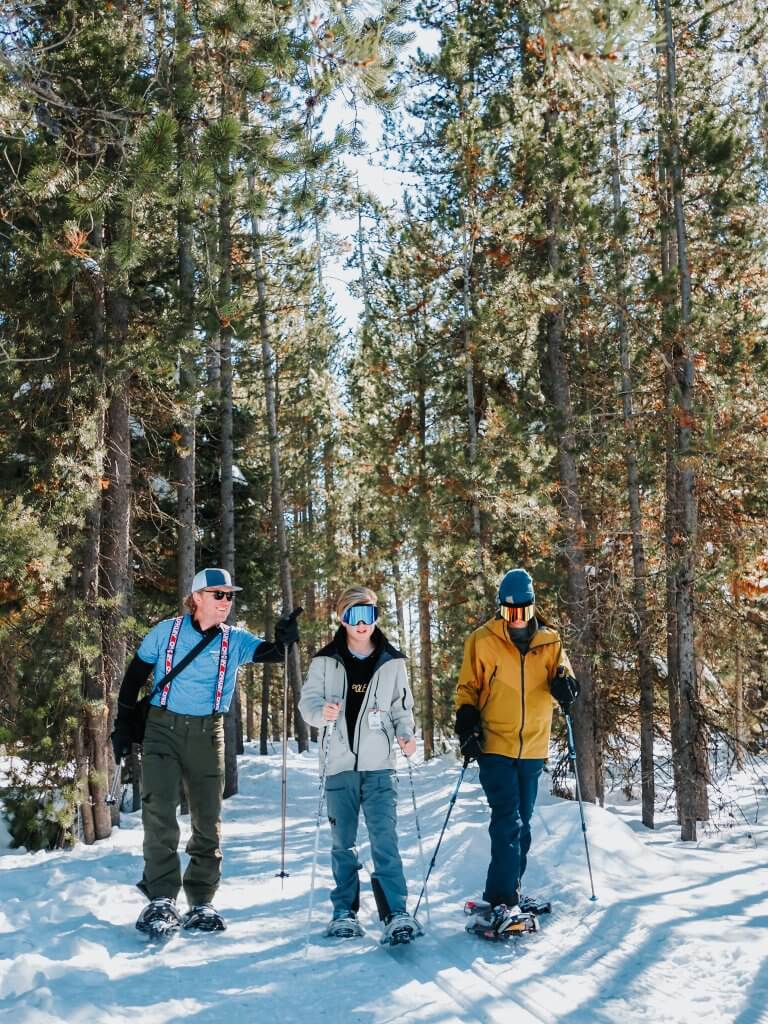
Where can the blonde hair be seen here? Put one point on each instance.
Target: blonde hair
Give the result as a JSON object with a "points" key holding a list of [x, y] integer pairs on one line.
{"points": [[354, 595], [189, 604]]}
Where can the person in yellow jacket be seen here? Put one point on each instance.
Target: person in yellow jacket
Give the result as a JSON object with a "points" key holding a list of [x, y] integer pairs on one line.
{"points": [[514, 671]]}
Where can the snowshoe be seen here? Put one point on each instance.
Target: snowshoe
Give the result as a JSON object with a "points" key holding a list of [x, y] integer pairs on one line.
{"points": [[497, 924], [534, 905], [159, 919], [399, 929], [204, 918], [344, 925]]}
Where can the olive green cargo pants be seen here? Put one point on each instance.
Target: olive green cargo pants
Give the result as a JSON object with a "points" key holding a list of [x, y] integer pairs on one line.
{"points": [[191, 748]]}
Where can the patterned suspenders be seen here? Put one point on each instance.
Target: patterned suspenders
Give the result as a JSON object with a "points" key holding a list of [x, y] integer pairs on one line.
{"points": [[220, 674]]}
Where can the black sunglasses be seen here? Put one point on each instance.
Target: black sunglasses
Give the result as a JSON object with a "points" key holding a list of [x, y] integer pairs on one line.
{"points": [[219, 595]]}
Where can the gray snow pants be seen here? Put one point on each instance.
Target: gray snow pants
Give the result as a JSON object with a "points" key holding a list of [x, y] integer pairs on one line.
{"points": [[376, 793]]}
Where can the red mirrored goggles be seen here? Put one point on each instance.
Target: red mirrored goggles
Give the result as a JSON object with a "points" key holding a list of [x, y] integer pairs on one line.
{"points": [[510, 612]]}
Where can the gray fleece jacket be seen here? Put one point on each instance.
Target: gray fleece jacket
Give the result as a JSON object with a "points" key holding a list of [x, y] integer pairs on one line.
{"points": [[370, 748]]}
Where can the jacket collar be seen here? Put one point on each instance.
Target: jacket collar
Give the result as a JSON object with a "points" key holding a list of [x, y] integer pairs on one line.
{"points": [[338, 647]]}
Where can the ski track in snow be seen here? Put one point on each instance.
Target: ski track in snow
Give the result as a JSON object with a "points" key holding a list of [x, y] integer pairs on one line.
{"points": [[678, 934]]}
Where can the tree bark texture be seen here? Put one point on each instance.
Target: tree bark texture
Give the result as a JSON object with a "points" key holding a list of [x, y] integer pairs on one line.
{"points": [[114, 571], [639, 597], [581, 640], [185, 447], [232, 730], [684, 540], [422, 568], [278, 515]]}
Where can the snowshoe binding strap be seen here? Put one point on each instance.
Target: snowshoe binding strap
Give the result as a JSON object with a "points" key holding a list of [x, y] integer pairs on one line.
{"points": [[345, 926], [498, 924], [204, 918], [400, 929], [159, 918]]}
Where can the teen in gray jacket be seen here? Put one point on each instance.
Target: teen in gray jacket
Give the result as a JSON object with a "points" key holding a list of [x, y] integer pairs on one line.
{"points": [[357, 691]]}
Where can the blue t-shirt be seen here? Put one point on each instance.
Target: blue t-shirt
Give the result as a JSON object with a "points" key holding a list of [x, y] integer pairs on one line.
{"points": [[193, 690]]}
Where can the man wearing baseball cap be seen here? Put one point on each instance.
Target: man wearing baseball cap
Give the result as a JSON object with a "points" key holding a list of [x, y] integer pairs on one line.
{"points": [[195, 658]]}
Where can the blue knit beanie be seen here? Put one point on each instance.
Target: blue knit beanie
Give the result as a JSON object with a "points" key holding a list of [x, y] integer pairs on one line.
{"points": [[516, 588]]}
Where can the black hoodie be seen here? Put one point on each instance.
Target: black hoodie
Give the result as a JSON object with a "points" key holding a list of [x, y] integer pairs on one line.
{"points": [[359, 673]]}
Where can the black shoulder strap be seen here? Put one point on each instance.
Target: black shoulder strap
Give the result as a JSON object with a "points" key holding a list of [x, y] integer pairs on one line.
{"points": [[207, 637]]}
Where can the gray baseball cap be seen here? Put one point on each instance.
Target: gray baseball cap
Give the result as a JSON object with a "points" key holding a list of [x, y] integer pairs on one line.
{"points": [[213, 579]]}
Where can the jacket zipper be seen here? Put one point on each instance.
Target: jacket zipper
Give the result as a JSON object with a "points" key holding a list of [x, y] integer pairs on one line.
{"points": [[522, 701], [343, 694]]}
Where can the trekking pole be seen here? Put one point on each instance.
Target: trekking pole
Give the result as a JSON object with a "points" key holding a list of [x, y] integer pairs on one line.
{"points": [[111, 797], [572, 756], [442, 832], [418, 835], [282, 873], [323, 776]]}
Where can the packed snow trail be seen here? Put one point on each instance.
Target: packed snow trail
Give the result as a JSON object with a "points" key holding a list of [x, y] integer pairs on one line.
{"points": [[678, 934]]}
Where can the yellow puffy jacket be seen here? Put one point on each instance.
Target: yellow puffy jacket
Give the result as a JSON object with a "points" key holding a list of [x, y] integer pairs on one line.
{"points": [[511, 691]]}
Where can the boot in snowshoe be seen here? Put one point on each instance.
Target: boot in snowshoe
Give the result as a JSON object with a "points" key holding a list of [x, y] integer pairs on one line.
{"points": [[497, 924], [159, 919], [203, 917], [534, 905], [400, 929], [344, 925]]}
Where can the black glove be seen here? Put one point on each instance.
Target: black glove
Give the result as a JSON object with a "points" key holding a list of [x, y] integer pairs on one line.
{"points": [[124, 735], [469, 731], [564, 688], [287, 630]]}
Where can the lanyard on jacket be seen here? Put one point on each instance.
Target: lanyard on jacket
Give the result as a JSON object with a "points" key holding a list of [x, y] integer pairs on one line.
{"points": [[171, 650]]}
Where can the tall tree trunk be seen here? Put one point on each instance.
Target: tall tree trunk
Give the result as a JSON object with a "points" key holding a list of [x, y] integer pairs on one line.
{"points": [[250, 704], [667, 257], [422, 568], [233, 717], [363, 267], [266, 678], [398, 595], [640, 604], [331, 557], [738, 697], [582, 640], [93, 672], [469, 383], [114, 575], [762, 112], [310, 591], [278, 515], [691, 730], [185, 447]]}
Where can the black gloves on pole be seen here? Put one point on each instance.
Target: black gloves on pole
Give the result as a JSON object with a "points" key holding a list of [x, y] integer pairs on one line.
{"points": [[469, 731], [287, 629], [564, 688]]}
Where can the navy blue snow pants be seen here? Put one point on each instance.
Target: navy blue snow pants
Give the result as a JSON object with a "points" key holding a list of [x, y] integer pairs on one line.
{"points": [[510, 786]]}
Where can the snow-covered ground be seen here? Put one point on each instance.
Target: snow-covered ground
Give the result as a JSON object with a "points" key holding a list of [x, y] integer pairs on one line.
{"points": [[678, 934]]}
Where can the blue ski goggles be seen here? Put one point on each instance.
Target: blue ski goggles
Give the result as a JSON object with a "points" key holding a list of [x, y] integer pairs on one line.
{"points": [[357, 613], [510, 612]]}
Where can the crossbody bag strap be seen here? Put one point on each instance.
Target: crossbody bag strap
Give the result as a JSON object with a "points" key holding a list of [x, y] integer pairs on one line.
{"points": [[172, 672]]}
